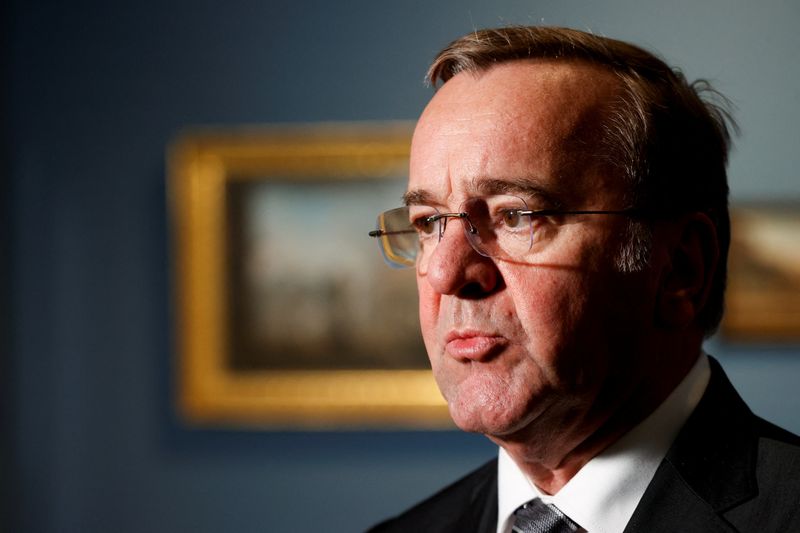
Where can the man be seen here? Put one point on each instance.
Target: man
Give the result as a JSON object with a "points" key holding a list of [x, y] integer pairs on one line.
{"points": [[567, 217]]}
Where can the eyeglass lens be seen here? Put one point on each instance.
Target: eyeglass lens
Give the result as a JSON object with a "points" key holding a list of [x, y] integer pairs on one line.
{"points": [[494, 226]]}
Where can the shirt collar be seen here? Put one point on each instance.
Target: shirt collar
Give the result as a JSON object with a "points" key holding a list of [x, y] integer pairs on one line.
{"points": [[602, 496]]}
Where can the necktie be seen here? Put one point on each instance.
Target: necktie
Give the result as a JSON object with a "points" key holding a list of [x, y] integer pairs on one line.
{"points": [[539, 517]]}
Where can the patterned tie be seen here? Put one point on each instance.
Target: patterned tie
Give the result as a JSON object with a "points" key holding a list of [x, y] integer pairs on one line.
{"points": [[539, 517]]}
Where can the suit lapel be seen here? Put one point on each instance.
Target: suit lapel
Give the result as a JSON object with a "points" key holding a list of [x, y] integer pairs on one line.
{"points": [[709, 469], [670, 505], [480, 516]]}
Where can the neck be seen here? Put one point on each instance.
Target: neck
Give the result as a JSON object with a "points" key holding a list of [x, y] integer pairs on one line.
{"points": [[550, 453]]}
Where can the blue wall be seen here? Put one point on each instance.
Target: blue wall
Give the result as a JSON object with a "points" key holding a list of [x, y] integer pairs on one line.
{"points": [[92, 93]]}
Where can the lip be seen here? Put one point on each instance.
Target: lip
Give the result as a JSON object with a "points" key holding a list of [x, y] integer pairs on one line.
{"points": [[473, 345]]}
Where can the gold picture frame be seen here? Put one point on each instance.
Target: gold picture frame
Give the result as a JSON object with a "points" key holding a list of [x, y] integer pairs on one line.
{"points": [[762, 301], [204, 166]]}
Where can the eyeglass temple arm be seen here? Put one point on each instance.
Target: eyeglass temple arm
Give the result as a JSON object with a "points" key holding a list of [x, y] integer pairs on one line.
{"points": [[633, 212], [434, 218], [381, 232]]}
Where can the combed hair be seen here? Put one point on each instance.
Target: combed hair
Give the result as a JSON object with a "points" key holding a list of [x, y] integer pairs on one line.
{"points": [[668, 138]]}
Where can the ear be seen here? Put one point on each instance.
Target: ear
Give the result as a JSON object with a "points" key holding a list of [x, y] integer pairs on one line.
{"points": [[692, 256]]}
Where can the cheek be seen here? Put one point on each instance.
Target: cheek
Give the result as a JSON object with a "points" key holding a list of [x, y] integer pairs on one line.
{"points": [[428, 311], [554, 311], [548, 302], [558, 298]]}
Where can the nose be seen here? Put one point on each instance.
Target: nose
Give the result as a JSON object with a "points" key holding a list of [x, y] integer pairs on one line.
{"points": [[456, 268]]}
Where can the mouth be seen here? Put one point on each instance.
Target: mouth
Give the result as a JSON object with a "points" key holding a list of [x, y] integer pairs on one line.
{"points": [[473, 345]]}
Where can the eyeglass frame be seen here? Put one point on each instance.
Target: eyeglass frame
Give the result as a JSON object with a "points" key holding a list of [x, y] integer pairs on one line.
{"points": [[463, 215]]}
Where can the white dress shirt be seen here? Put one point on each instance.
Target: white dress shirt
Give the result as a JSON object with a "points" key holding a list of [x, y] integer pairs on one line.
{"points": [[602, 496]]}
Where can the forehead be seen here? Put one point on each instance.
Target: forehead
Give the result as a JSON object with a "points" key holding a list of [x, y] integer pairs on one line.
{"points": [[536, 121]]}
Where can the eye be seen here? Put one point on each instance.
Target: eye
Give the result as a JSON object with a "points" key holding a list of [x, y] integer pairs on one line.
{"points": [[512, 218], [425, 225]]}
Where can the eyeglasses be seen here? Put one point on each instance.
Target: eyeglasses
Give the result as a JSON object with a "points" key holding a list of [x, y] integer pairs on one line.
{"points": [[499, 226]]}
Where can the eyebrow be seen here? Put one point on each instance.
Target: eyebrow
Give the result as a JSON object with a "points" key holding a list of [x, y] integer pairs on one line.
{"points": [[417, 197], [525, 188]]}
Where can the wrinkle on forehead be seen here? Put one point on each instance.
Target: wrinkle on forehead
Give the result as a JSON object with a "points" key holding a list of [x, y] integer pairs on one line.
{"points": [[530, 120], [530, 189]]}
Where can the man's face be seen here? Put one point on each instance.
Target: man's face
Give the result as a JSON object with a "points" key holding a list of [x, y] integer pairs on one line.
{"points": [[537, 343]]}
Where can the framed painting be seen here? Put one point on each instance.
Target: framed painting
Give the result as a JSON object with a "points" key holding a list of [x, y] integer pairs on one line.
{"points": [[763, 295], [287, 316]]}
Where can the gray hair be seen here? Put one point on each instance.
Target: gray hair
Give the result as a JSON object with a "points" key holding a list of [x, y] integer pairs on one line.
{"points": [[667, 137]]}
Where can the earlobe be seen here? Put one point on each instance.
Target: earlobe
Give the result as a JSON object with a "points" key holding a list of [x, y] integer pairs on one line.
{"points": [[693, 253]]}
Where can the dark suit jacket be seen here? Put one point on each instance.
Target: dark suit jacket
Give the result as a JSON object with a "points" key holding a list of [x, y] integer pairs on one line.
{"points": [[727, 471]]}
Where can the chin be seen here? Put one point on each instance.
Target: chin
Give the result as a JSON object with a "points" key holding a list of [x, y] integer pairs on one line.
{"points": [[492, 419], [490, 402]]}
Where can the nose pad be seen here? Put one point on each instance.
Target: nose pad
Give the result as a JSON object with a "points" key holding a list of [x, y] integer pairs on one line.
{"points": [[470, 230], [456, 266], [461, 215], [473, 236], [448, 241]]}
